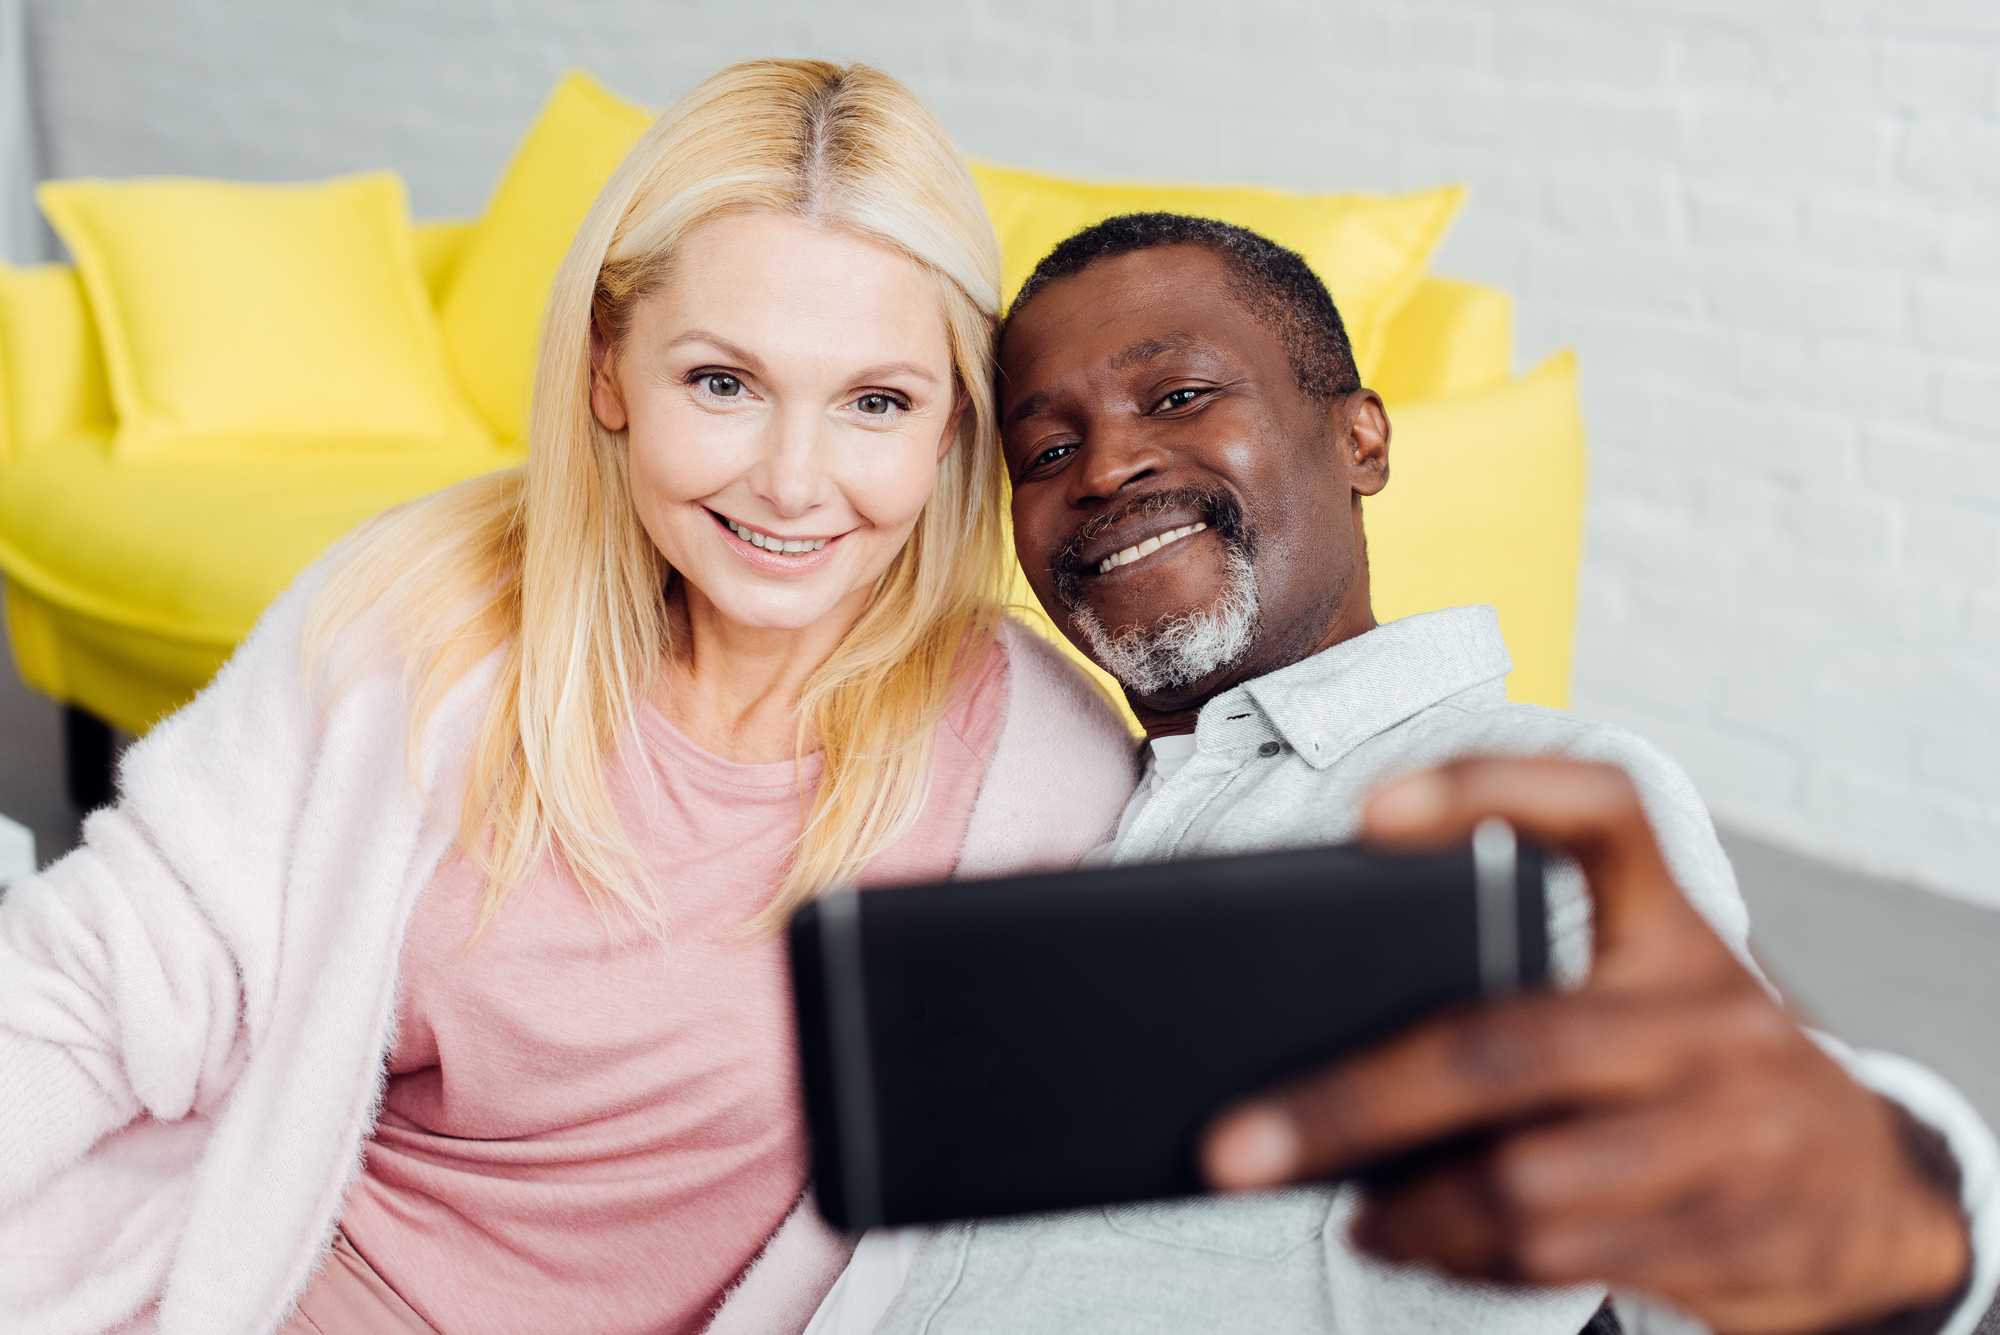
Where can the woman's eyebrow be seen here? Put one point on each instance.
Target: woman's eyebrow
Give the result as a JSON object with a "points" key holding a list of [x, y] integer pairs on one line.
{"points": [[887, 369], [751, 361], [734, 352]]}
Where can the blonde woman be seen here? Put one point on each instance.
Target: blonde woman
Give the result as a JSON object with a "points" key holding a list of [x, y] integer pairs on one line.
{"points": [[426, 975]]}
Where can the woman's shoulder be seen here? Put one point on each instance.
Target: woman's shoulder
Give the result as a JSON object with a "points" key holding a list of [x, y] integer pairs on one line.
{"points": [[1022, 672], [1045, 679], [1063, 761]]}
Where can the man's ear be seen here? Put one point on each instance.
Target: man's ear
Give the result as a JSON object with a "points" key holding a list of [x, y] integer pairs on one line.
{"points": [[1366, 441], [607, 404]]}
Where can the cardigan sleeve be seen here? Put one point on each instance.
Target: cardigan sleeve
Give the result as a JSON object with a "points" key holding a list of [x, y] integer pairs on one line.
{"points": [[134, 969]]}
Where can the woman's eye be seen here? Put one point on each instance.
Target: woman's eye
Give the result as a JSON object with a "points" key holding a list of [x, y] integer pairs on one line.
{"points": [[876, 404], [721, 385], [1179, 398]]}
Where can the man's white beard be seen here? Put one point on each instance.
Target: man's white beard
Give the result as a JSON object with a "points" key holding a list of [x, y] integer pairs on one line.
{"points": [[1184, 648]]}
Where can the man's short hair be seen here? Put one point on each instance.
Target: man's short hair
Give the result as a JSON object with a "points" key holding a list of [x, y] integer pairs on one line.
{"points": [[1276, 284]]}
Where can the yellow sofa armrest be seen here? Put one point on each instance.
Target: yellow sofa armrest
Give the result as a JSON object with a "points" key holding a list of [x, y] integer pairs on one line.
{"points": [[439, 243], [1451, 338], [52, 380]]}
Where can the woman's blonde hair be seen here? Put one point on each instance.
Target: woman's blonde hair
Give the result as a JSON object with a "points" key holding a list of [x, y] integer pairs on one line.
{"points": [[548, 565]]}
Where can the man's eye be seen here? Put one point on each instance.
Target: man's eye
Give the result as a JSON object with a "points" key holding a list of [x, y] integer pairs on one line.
{"points": [[722, 385], [876, 404], [1047, 457], [1179, 398]]}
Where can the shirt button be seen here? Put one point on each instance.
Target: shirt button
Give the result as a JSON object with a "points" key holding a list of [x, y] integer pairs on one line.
{"points": [[1269, 749]]}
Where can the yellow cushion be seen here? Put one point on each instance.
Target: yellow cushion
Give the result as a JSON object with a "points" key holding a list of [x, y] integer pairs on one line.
{"points": [[1450, 339], [1485, 505], [439, 242], [492, 311], [1370, 250], [163, 564], [51, 365], [257, 317]]}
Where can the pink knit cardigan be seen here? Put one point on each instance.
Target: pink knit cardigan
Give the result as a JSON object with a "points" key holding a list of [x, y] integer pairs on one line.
{"points": [[195, 1005]]}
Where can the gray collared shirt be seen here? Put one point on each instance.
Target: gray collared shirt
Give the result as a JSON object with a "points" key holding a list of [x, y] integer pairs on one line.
{"points": [[1287, 759]]}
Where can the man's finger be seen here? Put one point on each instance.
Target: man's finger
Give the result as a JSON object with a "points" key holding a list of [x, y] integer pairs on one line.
{"points": [[1589, 811], [1449, 1216], [1592, 1198], [1463, 1071], [1460, 1219]]}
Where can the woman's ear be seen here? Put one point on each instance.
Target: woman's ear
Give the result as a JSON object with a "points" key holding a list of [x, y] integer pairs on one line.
{"points": [[952, 423], [607, 404], [1366, 440]]}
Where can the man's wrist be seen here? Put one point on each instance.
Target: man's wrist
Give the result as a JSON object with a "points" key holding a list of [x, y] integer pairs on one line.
{"points": [[1928, 1319], [1930, 1157]]}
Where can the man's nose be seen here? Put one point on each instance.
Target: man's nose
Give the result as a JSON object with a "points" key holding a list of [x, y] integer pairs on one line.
{"points": [[1112, 457]]}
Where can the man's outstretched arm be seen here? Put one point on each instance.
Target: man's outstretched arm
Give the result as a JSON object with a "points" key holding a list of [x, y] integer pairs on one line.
{"points": [[1666, 1127]]}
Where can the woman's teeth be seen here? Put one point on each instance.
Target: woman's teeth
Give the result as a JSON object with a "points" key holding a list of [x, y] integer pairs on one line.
{"points": [[1146, 548], [771, 544]]}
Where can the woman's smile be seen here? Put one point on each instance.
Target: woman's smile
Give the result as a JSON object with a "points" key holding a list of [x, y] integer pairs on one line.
{"points": [[774, 552]]}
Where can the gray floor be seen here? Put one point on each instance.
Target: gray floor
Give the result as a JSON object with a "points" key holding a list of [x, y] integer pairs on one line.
{"points": [[1880, 964], [31, 772]]}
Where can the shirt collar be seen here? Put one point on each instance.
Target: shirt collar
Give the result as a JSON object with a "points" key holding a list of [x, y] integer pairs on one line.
{"points": [[1325, 706]]}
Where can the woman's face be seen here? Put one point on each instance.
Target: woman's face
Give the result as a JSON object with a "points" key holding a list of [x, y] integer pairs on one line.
{"points": [[787, 393]]}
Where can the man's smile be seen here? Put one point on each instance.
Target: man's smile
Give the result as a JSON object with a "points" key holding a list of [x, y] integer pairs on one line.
{"points": [[1146, 548], [1113, 540]]}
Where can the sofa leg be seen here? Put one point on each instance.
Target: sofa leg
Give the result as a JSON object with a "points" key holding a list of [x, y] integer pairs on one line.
{"points": [[88, 755]]}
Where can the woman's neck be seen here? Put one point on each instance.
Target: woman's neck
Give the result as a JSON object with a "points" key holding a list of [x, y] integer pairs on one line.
{"points": [[732, 689]]}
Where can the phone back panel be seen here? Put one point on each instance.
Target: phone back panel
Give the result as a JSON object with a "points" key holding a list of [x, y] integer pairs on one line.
{"points": [[1054, 1041]]}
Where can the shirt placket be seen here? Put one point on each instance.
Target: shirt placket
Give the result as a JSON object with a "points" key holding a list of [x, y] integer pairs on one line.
{"points": [[1228, 738]]}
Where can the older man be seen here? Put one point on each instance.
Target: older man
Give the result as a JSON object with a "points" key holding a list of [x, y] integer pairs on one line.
{"points": [[1189, 444]]}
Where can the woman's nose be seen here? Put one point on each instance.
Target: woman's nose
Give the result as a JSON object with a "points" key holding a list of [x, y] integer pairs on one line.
{"points": [[792, 470]]}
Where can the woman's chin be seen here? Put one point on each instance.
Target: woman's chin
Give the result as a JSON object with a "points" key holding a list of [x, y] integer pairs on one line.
{"points": [[797, 605]]}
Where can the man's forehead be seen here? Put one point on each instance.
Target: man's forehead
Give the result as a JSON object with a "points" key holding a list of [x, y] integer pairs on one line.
{"points": [[1139, 286], [1126, 310]]}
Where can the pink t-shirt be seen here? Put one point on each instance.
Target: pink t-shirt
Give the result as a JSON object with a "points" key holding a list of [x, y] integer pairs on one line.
{"points": [[596, 1135]]}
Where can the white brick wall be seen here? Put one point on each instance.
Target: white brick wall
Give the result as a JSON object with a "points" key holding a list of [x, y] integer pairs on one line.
{"points": [[1771, 228]]}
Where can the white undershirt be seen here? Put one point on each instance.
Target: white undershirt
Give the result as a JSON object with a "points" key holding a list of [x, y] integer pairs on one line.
{"points": [[881, 1261], [1170, 756], [873, 1278]]}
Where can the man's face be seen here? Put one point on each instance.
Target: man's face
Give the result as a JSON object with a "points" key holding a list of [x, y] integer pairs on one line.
{"points": [[1141, 399]]}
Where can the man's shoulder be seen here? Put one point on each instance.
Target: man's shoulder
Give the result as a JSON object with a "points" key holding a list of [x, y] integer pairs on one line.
{"points": [[1459, 727], [1485, 723], [1488, 724]]}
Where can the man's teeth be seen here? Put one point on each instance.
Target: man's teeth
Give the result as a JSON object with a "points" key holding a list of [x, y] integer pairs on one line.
{"points": [[771, 544], [1146, 548]]}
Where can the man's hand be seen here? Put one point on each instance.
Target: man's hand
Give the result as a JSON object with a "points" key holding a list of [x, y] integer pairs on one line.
{"points": [[1666, 1128]]}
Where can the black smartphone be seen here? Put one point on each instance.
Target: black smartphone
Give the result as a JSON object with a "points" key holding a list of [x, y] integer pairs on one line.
{"points": [[1053, 1041]]}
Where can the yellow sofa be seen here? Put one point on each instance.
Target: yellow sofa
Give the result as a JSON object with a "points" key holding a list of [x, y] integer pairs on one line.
{"points": [[129, 580]]}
